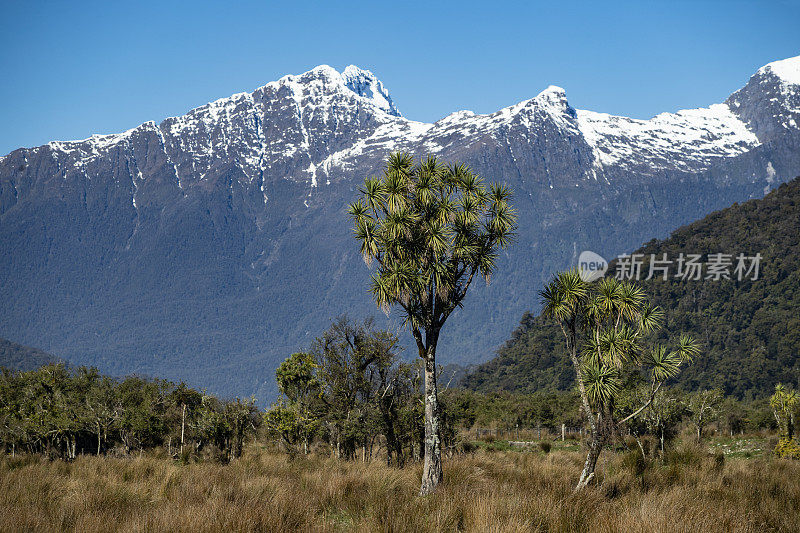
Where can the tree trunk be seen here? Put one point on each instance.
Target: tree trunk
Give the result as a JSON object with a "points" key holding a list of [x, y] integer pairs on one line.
{"points": [[572, 347], [641, 447], [71, 445], [432, 467], [591, 462], [393, 445], [183, 426]]}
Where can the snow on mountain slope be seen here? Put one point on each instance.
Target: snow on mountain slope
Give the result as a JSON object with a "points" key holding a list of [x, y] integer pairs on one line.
{"points": [[770, 101], [291, 125], [241, 128], [688, 139], [787, 70]]}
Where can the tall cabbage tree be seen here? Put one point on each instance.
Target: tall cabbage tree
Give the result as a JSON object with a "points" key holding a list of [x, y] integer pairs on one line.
{"points": [[430, 229], [605, 326]]}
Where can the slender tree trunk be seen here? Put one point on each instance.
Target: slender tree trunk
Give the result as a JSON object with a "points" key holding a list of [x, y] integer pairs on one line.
{"points": [[595, 447], [432, 467], [572, 347], [641, 447], [99, 433], [183, 426], [393, 446]]}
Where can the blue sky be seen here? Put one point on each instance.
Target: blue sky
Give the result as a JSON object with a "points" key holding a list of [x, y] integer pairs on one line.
{"points": [[71, 69]]}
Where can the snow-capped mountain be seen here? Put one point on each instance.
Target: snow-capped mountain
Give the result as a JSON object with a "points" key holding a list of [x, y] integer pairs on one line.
{"points": [[210, 245]]}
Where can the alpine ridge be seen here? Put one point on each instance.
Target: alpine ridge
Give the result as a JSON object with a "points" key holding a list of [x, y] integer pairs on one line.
{"points": [[209, 246]]}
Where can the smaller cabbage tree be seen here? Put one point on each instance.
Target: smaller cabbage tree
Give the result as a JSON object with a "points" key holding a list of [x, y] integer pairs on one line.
{"points": [[784, 403], [606, 326]]}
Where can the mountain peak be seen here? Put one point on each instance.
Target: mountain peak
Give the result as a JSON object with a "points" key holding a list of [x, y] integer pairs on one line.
{"points": [[554, 97], [553, 89], [360, 81], [365, 83], [787, 70]]}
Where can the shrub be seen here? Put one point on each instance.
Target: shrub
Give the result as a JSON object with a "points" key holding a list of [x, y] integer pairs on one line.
{"points": [[787, 448], [634, 462], [719, 461], [467, 446], [686, 454], [545, 446]]}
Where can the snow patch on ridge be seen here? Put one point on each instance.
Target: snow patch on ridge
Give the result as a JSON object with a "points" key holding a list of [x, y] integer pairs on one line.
{"points": [[683, 139]]}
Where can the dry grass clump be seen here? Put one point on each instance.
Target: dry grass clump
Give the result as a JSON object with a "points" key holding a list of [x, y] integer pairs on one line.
{"points": [[498, 491]]}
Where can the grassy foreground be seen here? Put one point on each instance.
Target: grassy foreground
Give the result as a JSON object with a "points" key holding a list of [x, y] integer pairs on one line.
{"points": [[486, 491]]}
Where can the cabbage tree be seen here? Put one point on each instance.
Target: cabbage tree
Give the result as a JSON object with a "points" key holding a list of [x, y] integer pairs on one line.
{"points": [[606, 325], [429, 229]]}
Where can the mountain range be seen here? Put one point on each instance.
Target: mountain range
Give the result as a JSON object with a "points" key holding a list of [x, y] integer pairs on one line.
{"points": [[209, 246]]}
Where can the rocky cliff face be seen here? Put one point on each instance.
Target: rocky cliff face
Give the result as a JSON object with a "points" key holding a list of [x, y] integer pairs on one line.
{"points": [[209, 246]]}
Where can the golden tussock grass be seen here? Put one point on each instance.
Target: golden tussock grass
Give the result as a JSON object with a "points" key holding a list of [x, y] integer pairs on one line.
{"points": [[487, 491]]}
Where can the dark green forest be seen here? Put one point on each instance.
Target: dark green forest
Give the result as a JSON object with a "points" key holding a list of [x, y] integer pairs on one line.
{"points": [[749, 329], [18, 357]]}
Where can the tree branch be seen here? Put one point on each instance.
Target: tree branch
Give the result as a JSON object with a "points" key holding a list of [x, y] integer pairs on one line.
{"points": [[645, 406]]}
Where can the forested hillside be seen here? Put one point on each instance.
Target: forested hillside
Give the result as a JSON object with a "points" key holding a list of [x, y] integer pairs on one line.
{"points": [[750, 329], [18, 357]]}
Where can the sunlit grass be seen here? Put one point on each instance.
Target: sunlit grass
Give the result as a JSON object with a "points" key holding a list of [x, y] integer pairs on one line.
{"points": [[492, 489]]}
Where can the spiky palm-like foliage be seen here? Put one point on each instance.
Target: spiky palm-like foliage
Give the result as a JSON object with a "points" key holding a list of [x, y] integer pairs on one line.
{"points": [[430, 228], [783, 403], [606, 324]]}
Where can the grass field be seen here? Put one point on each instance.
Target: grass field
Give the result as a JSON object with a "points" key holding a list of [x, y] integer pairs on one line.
{"points": [[492, 489]]}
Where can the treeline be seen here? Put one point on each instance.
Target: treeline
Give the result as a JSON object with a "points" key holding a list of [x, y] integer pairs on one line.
{"points": [[549, 410], [61, 412], [352, 394], [349, 395]]}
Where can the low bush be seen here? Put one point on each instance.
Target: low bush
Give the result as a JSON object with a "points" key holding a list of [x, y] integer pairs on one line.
{"points": [[545, 446]]}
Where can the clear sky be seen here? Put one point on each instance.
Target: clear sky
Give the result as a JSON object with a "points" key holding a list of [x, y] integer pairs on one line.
{"points": [[71, 69]]}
